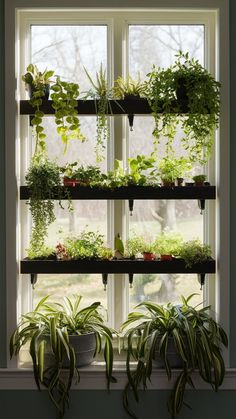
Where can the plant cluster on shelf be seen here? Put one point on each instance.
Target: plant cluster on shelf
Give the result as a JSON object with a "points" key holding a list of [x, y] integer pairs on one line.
{"points": [[89, 245], [184, 94]]}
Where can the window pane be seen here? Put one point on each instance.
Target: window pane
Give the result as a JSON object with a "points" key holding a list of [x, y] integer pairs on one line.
{"points": [[67, 50], [158, 44]]}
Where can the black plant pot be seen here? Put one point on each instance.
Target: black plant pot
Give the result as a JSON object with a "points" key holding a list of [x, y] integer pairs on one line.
{"points": [[46, 89]]}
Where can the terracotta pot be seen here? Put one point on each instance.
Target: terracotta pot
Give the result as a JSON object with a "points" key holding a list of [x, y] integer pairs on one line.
{"points": [[166, 257], [70, 182], [149, 256]]}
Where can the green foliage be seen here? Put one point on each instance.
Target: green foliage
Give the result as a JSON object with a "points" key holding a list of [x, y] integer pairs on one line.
{"points": [[201, 100], [90, 174], [130, 87], [194, 251], [47, 329], [87, 246], [197, 338], [199, 178], [119, 245], [43, 180], [101, 95], [168, 243], [66, 111], [137, 167], [37, 82], [134, 246], [171, 168]]}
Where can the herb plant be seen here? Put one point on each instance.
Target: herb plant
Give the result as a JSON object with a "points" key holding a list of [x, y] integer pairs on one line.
{"points": [[197, 339], [87, 245], [48, 329], [168, 243], [194, 251]]}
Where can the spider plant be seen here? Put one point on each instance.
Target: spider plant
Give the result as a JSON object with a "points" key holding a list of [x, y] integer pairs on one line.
{"points": [[196, 337], [48, 330]]}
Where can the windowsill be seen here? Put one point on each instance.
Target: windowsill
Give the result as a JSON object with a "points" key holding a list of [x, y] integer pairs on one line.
{"points": [[93, 378]]}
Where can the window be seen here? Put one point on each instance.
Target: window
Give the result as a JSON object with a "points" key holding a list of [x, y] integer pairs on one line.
{"points": [[66, 42]]}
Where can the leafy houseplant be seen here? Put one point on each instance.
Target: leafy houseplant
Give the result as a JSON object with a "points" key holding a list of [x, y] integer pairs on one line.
{"points": [[64, 99], [168, 244], [129, 89], [197, 110], [78, 174], [38, 84], [194, 251], [43, 180], [88, 245], [133, 246], [63, 336], [171, 169], [199, 180], [196, 337], [101, 95], [137, 167]]}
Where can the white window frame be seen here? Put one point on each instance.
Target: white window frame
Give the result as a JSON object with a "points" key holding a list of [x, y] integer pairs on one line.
{"points": [[214, 15]]}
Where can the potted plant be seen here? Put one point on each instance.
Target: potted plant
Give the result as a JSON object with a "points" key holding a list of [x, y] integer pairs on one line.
{"points": [[62, 338], [194, 251], [137, 167], [38, 86], [75, 174], [154, 334], [148, 251], [87, 245], [37, 82], [133, 246], [185, 93], [101, 95], [64, 98], [173, 169], [199, 180], [129, 88], [168, 244], [43, 180]]}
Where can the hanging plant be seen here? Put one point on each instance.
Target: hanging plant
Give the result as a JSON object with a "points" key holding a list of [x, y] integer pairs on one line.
{"points": [[185, 93], [43, 180], [38, 86], [65, 104], [101, 95]]}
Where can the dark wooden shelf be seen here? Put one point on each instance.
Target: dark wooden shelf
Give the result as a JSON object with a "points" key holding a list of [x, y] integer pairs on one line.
{"points": [[113, 266], [88, 107], [132, 192]]}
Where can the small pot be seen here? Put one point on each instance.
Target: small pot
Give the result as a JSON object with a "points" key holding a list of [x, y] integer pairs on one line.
{"points": [[180, 181], [31, 89], [149, 256], [70, 182], [128, 96], [167, 183], [199, 183], [166, 257], [189, 183]]}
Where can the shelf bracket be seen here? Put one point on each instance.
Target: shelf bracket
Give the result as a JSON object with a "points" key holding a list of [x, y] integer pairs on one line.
{"points": [[131, 121], [33, 279], [201, 279], [131, 277], [201, 205], [104, 280], [131, 206]]}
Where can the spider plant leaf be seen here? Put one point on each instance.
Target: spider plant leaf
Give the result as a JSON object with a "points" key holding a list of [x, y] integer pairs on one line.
{"points": [[41, 351], [53, 334]]}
